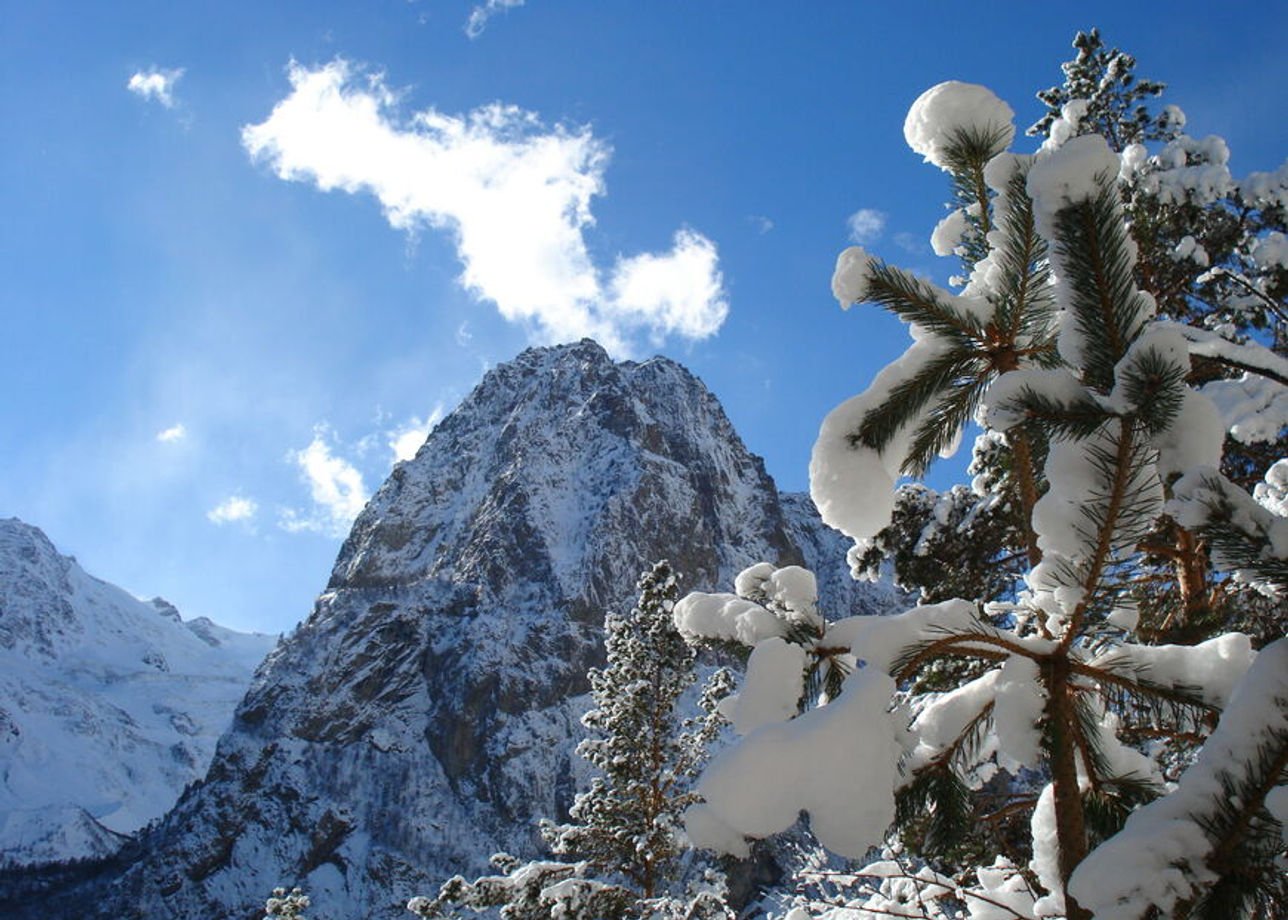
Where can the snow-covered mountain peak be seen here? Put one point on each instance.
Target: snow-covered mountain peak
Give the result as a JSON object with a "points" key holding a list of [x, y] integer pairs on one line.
{"points": [[566, 447], [111, 705], [425, 713], [35, 611]]}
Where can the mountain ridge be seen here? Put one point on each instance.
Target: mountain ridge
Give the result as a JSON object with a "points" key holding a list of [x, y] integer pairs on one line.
{"points": [[109, 705], [424, 714]]}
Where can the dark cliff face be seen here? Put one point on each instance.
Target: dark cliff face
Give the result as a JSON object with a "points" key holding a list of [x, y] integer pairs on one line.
{"points": [[425, 713]]}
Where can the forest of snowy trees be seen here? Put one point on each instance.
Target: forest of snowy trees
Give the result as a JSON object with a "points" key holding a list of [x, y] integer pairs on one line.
{"points": [[1086, 714]]}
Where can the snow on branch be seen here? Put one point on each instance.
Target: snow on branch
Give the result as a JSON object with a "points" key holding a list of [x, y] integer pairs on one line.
{"points": [[839, 763], [1164, 857], [1245, 536], [1209, 670]]}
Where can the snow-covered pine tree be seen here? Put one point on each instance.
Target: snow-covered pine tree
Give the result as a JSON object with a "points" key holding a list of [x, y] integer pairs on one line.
{"points": [[1210, 246], [535, 890], [624, 829], [1212, 252], [627, 822], [1057, 350], [1114, 102], [286, 905], [1209, 252]]}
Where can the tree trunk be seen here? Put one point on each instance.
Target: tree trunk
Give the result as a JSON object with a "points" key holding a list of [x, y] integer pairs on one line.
{"points": [[1070, 826]]}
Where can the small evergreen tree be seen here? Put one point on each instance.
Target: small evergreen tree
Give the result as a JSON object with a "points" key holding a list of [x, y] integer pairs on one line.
{"points": [[627, 821], [1116, 103], [625, 828], [286, 905]]}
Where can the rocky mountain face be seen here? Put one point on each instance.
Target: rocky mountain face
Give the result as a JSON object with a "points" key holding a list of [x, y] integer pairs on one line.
{"points": [[109, 705], [424, 714]]}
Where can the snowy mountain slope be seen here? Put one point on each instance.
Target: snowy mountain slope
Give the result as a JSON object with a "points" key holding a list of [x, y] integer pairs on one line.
{"points": [[109, 705], [424, 714]]}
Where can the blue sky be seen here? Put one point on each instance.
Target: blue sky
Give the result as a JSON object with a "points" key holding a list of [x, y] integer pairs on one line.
{"points": [[206, 355]]}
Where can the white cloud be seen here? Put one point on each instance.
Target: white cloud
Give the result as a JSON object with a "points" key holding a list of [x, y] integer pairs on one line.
{"points": [[681, 291], [866, 225], [335, 486], [479, 16], [234, 508], [762, 223], [407, 438], [514, 194], [172, 434], [155, 84]]}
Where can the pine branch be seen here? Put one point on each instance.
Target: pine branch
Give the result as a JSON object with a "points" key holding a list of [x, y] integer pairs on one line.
{"points": [[1084, 728], [1025, 304], [1111, 801], [1055, 418], [1155, 388], [944, 422], [996, 647], [916, 300], [964, 749], [1094, 252], [938, 797], [1240, 534], [945, 371], [1118, 519], [1185, 704], [1242, 818], [966, 153]]}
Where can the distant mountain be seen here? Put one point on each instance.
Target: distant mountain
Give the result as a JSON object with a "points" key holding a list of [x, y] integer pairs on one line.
{"points": [[109, 705], [425, 713]]}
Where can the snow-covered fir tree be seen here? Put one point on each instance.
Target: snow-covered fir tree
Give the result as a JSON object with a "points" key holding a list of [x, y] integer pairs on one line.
{"points": [[625, 830], [286, 905], [627, 821], [1045, 701]]}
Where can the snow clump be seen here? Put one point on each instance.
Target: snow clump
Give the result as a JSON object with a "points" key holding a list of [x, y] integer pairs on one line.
{"points": [[838, 762], [850, 280], [1075, 173], [947, 236], [942, 113]]}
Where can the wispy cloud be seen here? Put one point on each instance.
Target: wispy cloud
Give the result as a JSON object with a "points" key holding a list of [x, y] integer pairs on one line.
{"points": [[173, 433], [335, 487], [407, 438], [155, 85], [514, 193], [866, 225], [910, 242], [762, 223], [232, 509], [479, 16]]}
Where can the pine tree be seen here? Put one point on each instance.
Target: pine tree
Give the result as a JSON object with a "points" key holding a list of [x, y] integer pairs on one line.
{"points": [[624, 832], [1204, 243], [1056, 348], [288, 905], [626, 822], [1116, 103]]}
